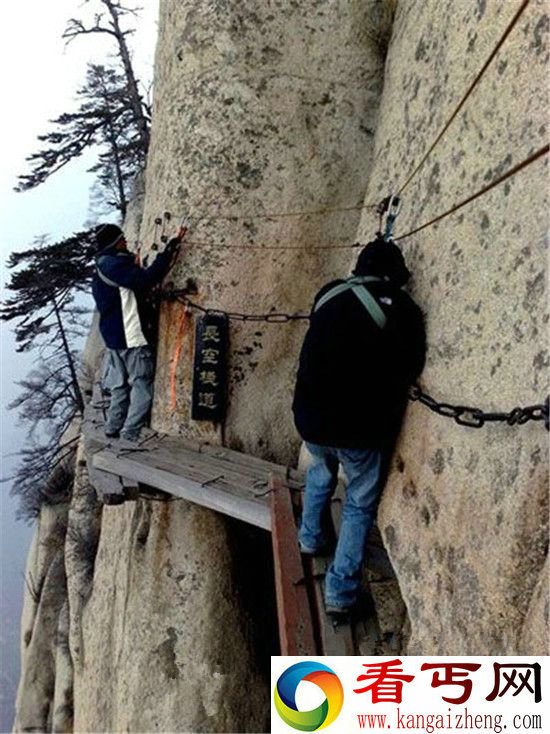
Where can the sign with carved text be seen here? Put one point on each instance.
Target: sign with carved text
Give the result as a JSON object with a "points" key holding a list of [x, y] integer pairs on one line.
{"points": [[210, 368]]}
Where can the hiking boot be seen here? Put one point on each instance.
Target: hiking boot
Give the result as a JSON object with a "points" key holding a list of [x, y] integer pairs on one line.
{"points": [[338, 615], [127, 444]]}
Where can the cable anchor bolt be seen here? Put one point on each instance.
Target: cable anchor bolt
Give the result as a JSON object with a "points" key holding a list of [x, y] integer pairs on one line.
{"points": [[393, 208]]}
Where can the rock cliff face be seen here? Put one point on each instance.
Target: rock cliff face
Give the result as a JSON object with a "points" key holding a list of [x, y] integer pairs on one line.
{"points": [[248, 119], [41, 694], [265, 108], [464, 515], [260, 108]]}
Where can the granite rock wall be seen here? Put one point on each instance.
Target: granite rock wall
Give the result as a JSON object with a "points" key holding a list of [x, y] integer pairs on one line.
{"points": [[260, 109], [465, 513]]}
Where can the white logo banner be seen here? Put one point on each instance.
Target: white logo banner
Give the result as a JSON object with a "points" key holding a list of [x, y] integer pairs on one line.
{"points": [[447, 694]]}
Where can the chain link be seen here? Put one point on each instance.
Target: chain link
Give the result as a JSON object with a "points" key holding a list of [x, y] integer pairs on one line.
{"points": [[465, 415], [270, 318]]}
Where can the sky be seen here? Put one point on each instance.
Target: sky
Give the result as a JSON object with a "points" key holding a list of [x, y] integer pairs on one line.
{"points": [[39, 76]]}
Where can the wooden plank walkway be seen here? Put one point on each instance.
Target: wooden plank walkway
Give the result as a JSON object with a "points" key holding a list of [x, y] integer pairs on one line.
{"points": [[304, 626], [215, 477], [244, 487]]}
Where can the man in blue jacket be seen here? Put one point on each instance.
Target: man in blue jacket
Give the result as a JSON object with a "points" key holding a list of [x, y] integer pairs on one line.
{"points": [[365, 345], [121, 289]]}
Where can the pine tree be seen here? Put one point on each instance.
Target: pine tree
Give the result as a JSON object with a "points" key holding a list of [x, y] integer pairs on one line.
{"points": [[104, 119], [47, 406], [48, 319], [109, 22], [46, 281], [111, 115], [122, 153]]}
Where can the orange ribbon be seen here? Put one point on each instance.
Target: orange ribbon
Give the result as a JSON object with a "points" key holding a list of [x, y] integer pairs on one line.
{"points": [[182, 329]]}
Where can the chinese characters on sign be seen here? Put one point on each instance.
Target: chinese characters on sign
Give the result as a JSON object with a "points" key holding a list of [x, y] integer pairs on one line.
{"points": [[387, 679], [210, 368]]}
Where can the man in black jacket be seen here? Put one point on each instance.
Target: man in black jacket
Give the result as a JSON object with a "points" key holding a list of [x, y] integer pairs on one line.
{"points": [[364, 347]]}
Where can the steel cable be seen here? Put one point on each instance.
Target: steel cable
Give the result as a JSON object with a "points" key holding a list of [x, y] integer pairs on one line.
{"points": [[515, 169], [468, 92]]}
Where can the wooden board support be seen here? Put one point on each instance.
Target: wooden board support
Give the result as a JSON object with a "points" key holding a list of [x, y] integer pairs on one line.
{"points": [[293, 610], [105, 483], [195, 479], [215, 477], [243, 487], [335, 640]]}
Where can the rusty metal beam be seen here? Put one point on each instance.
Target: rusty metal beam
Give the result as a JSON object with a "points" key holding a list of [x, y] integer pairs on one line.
{"points": [[293, 608]]}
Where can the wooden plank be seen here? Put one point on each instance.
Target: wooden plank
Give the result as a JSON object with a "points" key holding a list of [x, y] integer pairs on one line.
{"points": [[236, 457], [131, 489], [165, 444], [212, 476], [293, 610], [182, 461], [176, 450], [253, 511], [203, 467], [198, 470], [234, 460], [105, 483]]}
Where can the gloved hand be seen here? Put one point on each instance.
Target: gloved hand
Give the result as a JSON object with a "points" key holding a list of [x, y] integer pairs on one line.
{"points": [[173, 246]]}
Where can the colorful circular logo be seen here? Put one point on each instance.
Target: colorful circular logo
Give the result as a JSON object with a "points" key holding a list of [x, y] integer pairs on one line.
{"points": [[285, 696]]}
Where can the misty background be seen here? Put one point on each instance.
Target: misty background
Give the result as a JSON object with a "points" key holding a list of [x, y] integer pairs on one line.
{"points": [[39, 77]]}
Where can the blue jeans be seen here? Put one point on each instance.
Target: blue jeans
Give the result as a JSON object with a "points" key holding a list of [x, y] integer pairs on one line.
{"points": [[129, 377], [363, 470]]}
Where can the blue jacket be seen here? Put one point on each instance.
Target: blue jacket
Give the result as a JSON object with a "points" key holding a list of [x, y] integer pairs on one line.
{"points": [[121, 290]]}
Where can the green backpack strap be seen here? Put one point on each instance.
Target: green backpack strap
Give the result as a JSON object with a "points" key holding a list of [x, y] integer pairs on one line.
{"points": [[370, 303], [367, 299]]}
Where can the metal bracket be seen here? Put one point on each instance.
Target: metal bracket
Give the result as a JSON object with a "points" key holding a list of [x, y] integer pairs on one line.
{"points": [[393, 209], [165, 218]]}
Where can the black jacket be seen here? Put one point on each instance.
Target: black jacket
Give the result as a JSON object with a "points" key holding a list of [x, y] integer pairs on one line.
{"points": [[353, 376]]}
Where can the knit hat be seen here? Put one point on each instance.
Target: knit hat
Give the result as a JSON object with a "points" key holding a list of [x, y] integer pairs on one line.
{"points": [[108, 235], [383, 259]]}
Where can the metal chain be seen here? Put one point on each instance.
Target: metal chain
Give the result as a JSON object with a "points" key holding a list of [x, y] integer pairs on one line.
{"points": [[270, 318], [475, 417], [464, 415]]}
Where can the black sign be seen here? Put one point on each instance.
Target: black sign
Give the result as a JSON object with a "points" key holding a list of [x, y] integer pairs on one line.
{"points": [[210, 368]]}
